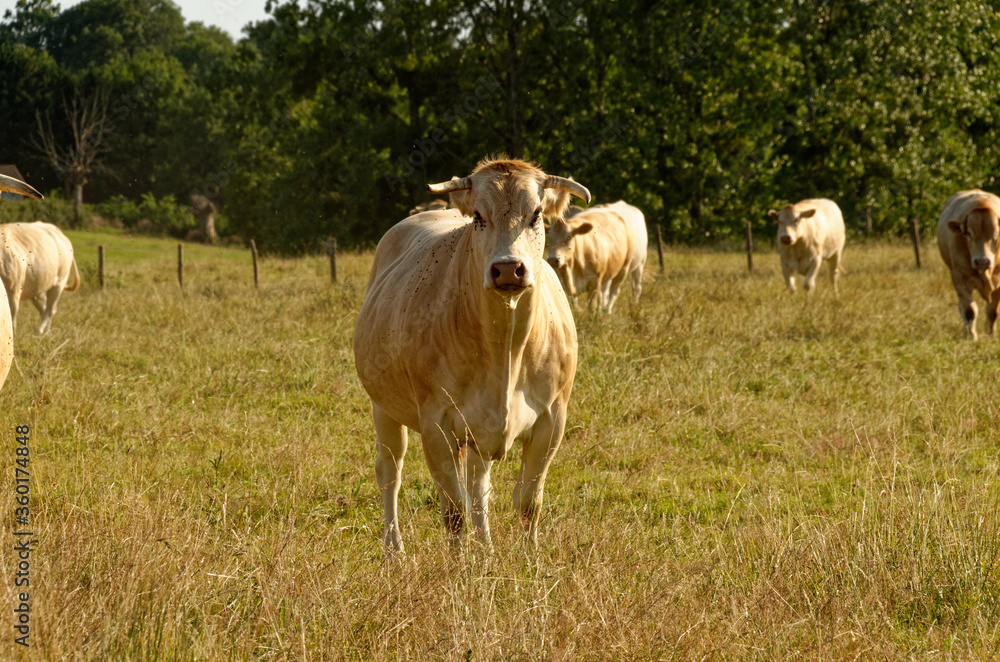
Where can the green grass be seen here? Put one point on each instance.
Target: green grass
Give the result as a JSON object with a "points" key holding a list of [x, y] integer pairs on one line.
{"points": [[745, 474]]}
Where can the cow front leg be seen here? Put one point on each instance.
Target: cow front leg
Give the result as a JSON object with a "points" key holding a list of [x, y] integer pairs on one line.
{"points": [[991, 311], [536, 456], [477, 480], [964, 287], [445, 457], [786, 271], [809, 281], [391, 441]]}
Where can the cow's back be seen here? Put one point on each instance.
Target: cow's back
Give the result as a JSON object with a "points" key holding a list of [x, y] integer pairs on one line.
{"points": [[826, 227], [638, 237], [604, 251], [38, 254]]}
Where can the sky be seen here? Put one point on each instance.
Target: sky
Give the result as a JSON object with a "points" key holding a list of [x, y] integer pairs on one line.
{"points": [[230, 15]]}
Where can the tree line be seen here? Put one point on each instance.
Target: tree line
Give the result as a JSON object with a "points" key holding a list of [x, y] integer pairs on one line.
{"points": [[329, 117]]}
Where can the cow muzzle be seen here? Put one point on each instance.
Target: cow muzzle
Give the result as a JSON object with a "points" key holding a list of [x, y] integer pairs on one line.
{"points": [[555, 262], [509, 276], [982, 264], [785, 239]]}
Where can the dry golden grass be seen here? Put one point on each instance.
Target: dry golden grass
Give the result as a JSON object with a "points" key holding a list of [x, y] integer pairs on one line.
{"points": [[745, 475]]}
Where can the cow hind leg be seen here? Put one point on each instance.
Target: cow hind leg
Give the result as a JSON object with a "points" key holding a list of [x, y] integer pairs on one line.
{"points": [[636, 284], [835, 270], [14, 300], [391, 440], [51, 299]]}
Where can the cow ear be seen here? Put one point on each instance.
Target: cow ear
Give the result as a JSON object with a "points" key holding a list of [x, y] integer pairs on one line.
{"points": [[956, 227], [773, 214], [463, 201], [583, 228], [809, 213]]}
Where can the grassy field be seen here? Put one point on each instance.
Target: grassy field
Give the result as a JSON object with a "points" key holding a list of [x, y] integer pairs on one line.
{"points": [[746, 474]]}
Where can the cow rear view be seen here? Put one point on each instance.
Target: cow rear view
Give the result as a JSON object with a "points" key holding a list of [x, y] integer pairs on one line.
{"points": [[6, 322], [466, 336], [36, 263]]}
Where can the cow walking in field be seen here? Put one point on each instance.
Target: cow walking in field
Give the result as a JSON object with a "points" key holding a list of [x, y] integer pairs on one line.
{"points": [[597, 249], [967, 234], [36, 262], [6, 322], [808, 233], [466, 336]]}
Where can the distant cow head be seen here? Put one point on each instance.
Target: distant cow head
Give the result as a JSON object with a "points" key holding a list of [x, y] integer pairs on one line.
{"points": [[17, 186], [560, 235], [981, 228], [789, 219], [506, 199]]}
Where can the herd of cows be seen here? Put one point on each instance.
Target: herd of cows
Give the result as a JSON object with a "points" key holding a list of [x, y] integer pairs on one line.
{"points": [[466, 333]]}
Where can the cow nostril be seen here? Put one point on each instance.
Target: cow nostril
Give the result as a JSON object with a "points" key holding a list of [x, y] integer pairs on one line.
{"points": [[519, 271], [494, 272]]}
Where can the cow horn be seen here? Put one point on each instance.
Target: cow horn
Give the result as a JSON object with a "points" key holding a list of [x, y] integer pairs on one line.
{"points": [[577, 189], [17, 186], [456, 184]]}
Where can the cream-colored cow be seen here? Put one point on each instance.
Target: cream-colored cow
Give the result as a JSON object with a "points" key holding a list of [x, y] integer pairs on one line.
{"points": [[466, 336], [6, 323], [967, 234], [597, 249], [808, 233], [36, 262]]}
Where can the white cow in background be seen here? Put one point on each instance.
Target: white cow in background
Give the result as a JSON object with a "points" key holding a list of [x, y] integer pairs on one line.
{"points": [[36, 262], [6, 322], [808, 233]]}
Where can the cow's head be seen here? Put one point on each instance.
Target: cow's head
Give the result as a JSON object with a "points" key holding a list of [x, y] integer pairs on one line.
{"points": [[17, 186], [560, 235], [981, 229], [506, 199], [789, 219]]}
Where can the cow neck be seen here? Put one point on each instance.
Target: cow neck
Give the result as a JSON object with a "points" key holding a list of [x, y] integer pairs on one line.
{"points": [[502, 330]]}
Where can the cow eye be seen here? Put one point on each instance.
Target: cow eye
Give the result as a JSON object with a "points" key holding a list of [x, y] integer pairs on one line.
{"points": [[534, 219]]}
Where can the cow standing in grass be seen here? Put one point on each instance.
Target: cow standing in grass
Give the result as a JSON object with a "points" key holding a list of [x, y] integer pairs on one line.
{"points": [[595, 250], [967, 234], [466, 336], [6, 321], [808, 233], [36, 262]]}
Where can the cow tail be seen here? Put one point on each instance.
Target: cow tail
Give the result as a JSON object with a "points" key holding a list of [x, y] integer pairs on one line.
{"points": [[76, 275]]}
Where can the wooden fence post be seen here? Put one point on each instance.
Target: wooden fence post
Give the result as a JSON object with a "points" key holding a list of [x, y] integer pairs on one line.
{"points": [[331, 250], [253, 252], [749, 247], [659, 246], [100, 264], [180, 265], [915, 237]]}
